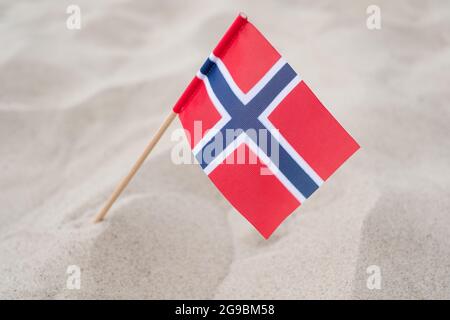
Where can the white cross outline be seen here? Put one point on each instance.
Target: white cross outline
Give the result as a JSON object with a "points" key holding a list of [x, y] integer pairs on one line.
{"points": [[263, 117]]}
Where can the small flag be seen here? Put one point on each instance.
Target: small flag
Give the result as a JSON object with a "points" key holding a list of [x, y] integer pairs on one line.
{"points": [[257, 130]]}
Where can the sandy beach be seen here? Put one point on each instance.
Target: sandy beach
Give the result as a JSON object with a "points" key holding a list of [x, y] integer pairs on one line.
{"points": [[77, 107]]}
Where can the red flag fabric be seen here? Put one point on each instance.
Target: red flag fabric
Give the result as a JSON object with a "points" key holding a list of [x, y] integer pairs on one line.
{"points": [[257, 130]]}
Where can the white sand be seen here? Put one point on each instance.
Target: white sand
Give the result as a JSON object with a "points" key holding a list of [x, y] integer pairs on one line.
{"points": [[77, 108]]}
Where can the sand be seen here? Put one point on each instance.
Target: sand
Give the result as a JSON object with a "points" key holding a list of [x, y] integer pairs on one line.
{"points": [[78, 106]]}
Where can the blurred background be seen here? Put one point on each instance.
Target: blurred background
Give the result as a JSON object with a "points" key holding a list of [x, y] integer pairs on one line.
{"points": [[79, 101]]}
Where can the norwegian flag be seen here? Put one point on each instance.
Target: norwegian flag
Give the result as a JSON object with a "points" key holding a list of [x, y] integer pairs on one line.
{"points": [[257, 130]]}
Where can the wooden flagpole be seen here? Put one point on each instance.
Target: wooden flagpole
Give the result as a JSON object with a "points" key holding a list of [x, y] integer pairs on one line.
{"points": [[123, 184]]}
